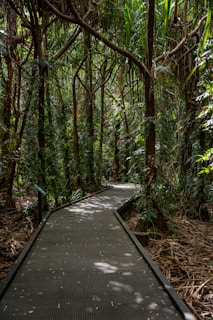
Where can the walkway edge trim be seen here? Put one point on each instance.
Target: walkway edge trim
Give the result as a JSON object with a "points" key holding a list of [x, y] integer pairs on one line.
{"points": [[17, 264], [178, 302]]}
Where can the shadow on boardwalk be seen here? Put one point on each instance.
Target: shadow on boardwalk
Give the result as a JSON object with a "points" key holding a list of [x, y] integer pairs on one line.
{"points": [[84, 265]]}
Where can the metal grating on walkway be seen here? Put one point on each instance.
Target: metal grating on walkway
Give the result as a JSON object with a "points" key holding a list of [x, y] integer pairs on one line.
{"points": [[83, 265]]}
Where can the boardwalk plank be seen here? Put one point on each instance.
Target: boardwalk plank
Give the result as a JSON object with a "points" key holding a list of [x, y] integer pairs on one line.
{"points": [[83, 265]]}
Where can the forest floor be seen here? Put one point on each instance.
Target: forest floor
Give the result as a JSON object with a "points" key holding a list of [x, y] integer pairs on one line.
{"points": [[185, 258]]}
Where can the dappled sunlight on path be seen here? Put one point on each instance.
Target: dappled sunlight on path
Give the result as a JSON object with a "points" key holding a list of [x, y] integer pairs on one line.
{"points": [[83, 265]]}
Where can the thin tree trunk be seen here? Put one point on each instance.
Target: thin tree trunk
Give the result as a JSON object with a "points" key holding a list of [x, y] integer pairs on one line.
{"points": [[116, 163], [102, 118], [21, 131], [75, 135], [150, 104], [41, 129], [76, 154], [127, 137], [39, 37], [120, 94], [150, 122], [7, 110], [66, 151], [89, 112], [6, 121]]}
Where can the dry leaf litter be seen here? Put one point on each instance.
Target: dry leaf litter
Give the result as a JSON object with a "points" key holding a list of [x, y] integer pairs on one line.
{"points": [[15, 231], [186, 259]]}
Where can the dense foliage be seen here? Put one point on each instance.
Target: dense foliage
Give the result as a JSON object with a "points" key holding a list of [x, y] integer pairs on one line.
{"points": [[96, 90]]}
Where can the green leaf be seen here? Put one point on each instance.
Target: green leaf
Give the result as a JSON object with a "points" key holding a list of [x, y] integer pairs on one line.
{"points": [[206, 170], [207, 156], [207, 31], [167, 13], [191, 73], [139, 139]]}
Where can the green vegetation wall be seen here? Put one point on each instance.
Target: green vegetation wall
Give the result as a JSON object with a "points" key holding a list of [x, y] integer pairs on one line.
{"points": [[109, 90]]}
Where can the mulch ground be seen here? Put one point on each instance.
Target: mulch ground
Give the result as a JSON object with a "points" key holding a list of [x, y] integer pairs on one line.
{"points": [[186, 259], [15, 231]]}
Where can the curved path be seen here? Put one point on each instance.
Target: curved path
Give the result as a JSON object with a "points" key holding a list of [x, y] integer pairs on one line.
{"points": [[84, 265]]}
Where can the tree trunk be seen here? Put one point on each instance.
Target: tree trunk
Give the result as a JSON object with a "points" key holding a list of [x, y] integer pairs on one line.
{"points": [[41, 128], [39, 36], [120, 93], [149, 105], [102, 117], [150, 168], [21, 130], [6, 152], [75, 135], [6, 121], [89, 113], [116, 164]]}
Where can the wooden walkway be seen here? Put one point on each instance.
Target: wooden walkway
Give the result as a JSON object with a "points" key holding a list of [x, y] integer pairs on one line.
{"points": [[84, 264]]}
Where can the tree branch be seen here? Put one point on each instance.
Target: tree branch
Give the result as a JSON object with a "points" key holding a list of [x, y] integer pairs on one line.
{"points": [[82, 23], [67, 44], [60, 14], [181, 43]]}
